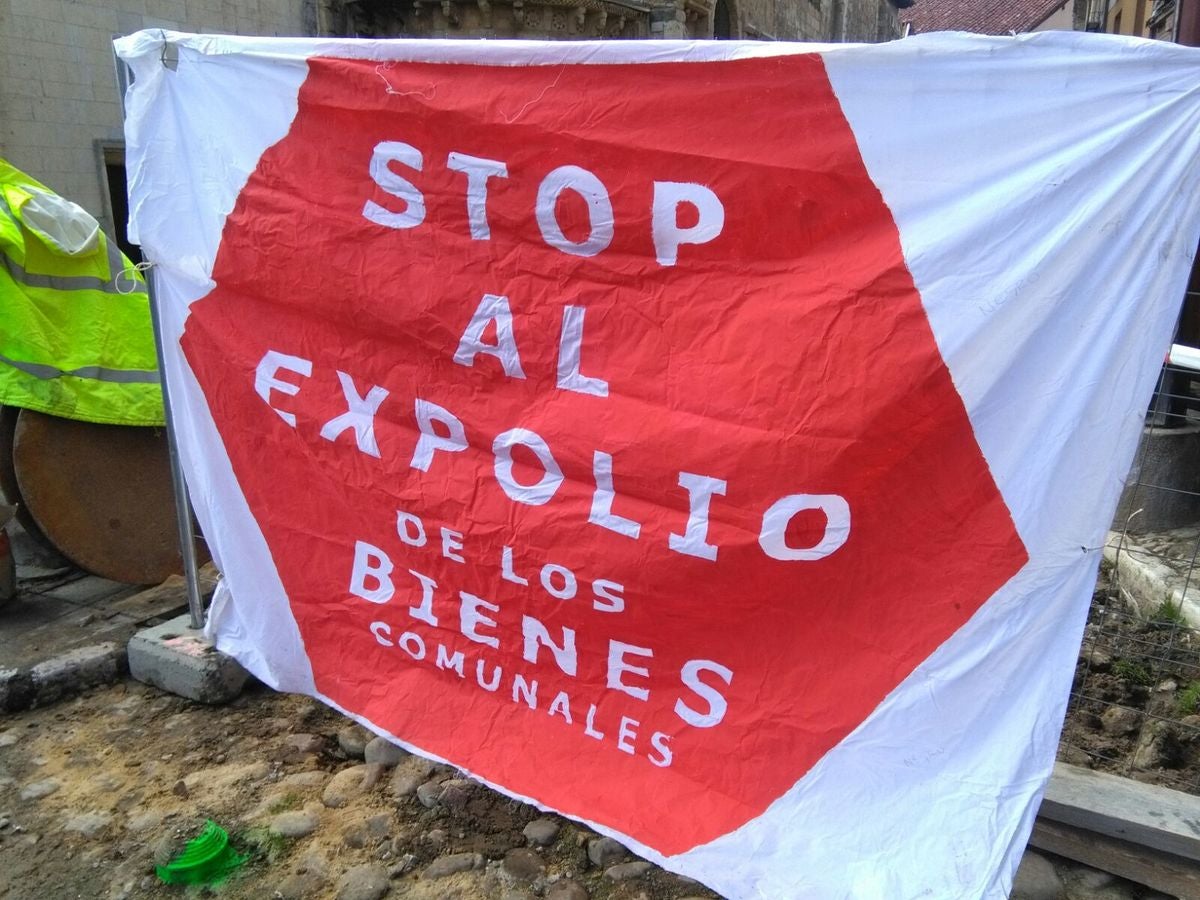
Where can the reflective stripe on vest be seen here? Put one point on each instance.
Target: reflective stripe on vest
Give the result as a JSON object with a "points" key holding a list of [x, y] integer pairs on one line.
{"points": [[96, 373]]}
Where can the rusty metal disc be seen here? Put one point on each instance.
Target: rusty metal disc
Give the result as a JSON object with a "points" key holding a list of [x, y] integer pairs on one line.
{"points": [[101, 494]]}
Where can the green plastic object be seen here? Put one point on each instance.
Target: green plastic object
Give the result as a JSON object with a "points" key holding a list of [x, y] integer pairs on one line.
{"points": [[207, 859]]}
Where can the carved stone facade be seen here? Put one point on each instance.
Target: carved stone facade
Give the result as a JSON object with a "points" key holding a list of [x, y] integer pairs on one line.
{"points": [[795, 20]]}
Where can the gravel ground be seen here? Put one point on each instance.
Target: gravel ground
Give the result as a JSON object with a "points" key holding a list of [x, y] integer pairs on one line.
{"points": [[95, 791]]}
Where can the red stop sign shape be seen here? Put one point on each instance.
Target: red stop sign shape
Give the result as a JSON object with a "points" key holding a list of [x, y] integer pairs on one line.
{"points": [[787, 355]]}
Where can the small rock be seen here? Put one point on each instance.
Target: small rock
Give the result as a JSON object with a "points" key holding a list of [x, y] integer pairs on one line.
{"points": [[294, 824], [1167, 686], [436, 838], [566, 890], [39, 789], [604, 851], [180, 789], [379, 826], [428, 794], [300, 885], [88, 824], [345, 786], [403, 865], [1098, 660], [542, 832], [8, 738], [355, 836], [314, 861], [371, 778], [303, 780], [452, 865], [627, 871], [1075, 756], [1120, 720], [384, 752], [455, 793], [353, 740], [305, 743], [410, 775], [1037, 879], [1157, 747], [523, 864], [405, 783], [363, 883]]}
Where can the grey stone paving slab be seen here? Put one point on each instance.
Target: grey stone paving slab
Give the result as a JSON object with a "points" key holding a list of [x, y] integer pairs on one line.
{"points": [[61, 635], [91, 590]]}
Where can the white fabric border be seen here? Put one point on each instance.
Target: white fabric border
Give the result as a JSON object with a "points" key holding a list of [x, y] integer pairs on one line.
{"points": [[218, 130], [873, 819]]}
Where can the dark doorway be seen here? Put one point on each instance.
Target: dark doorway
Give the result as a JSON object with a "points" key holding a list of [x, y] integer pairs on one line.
{"points": [[722, 28], [118, 199]]}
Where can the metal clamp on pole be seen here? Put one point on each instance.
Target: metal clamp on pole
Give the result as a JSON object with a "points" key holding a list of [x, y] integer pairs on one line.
{"points": [[183, 506]]}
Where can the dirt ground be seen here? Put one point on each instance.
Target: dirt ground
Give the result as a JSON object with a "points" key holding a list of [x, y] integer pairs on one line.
{"points": [[1136, 704], [95, 791]]}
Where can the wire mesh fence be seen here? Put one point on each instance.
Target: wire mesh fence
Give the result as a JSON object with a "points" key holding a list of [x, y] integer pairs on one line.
{"points": [[1135, 702]]}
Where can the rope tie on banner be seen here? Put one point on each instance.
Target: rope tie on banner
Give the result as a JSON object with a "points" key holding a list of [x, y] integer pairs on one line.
{"points": [[127, 272]]}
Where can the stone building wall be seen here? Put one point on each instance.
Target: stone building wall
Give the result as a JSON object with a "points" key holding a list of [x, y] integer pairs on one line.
{"points": [[545, 19], [789, 20], [60, 110]]}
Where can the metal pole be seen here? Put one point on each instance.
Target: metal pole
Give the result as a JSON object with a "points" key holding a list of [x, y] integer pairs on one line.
{"points": [[183, 506]]}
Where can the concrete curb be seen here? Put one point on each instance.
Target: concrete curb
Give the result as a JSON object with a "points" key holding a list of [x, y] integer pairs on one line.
{"points": [[1145, 581], [62, 676]]}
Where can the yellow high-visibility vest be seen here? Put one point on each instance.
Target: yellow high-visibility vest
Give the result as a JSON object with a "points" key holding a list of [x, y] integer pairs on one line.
{"points": [[76, 338]]}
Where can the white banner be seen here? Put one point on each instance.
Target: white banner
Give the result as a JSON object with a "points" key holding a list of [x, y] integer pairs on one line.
{"points": [[712, 442]]}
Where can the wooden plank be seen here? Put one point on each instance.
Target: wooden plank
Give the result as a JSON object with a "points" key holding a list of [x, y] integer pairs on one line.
{"points": [[166, 599], [1144, 814], [1155, 869]]}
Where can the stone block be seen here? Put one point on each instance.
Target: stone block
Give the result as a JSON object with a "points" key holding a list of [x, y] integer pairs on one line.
{"points": [[174, 657], [77, 670]]}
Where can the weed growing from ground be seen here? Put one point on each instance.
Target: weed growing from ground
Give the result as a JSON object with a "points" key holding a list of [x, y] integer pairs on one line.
{"points": [[1188, 700], [1169, 615], [261, 843], [286, 802], [1135, 672]]}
